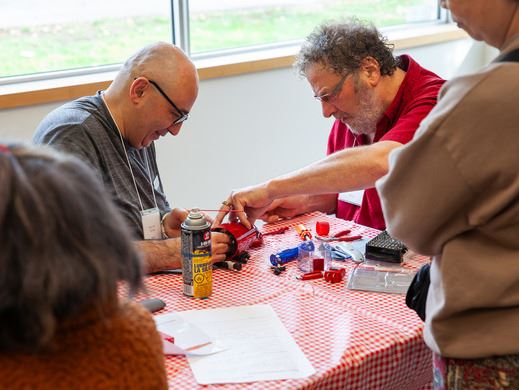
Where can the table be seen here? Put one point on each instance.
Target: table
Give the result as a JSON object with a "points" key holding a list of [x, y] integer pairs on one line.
{"points": [[354, 339]]}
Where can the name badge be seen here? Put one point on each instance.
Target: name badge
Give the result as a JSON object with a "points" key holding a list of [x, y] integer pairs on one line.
{"points": [[150, 220], [352, 197]]}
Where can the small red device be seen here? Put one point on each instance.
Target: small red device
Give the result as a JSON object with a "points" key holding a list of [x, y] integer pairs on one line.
{"points": [[334, 275], [241, 237]]}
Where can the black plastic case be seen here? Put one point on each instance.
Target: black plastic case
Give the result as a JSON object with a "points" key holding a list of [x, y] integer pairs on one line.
{"points": [[385, 248]]}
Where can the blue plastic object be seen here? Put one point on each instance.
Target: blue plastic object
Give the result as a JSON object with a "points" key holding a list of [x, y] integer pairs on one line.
{"points": [[284, 256]]}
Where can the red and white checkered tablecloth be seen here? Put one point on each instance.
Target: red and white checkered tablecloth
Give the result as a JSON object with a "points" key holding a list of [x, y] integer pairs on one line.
{"points": [[354, 339]]}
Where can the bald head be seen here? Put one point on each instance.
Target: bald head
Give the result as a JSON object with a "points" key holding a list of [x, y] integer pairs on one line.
{"points": [[163, 62], [156, 86]]}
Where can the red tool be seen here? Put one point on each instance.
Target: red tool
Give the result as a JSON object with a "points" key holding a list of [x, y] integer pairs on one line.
{"points": [[259, 241], [342, 233], [340, 236], [311, 275], [349, 238], [277, 231]]}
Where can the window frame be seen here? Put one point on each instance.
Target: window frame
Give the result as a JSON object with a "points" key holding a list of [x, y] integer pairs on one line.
{"points": [[47, 87]]}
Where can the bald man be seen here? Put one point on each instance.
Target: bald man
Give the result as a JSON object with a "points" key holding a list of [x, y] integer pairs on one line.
{"points": [[115, 131]]}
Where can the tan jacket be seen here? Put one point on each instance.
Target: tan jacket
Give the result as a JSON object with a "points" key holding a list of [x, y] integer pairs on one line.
{"points": [[124, 352], [453, 193]]}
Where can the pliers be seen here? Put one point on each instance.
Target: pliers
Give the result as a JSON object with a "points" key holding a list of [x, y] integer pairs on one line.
{"points": [[339, 236]]}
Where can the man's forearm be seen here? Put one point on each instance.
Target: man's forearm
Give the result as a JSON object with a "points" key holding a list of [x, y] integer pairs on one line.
{"points": [[160, 255], [347, 170]]}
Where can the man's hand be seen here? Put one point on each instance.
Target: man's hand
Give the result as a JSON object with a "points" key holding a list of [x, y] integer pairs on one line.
{"points": [[292, 206], [219, 241], [162, 255], [219, 246], [173, 220], [286, 208], [247, 205]]}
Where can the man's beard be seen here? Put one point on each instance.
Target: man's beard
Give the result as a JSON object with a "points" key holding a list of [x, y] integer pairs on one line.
{"points": [[370, 111]]}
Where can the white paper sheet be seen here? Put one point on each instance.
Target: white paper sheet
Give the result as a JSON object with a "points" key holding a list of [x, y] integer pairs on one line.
{"points": [[183, 338], [258, 346]]}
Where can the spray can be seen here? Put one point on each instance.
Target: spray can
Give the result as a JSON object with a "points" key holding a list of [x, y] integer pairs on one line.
{"points": [[196, 255]]}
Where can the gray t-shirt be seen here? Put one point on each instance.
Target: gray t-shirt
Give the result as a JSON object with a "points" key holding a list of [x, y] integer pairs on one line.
{"points": [[86, 129]]}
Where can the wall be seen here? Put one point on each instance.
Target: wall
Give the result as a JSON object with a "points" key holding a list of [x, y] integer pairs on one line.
{"points": [[248, 128]]}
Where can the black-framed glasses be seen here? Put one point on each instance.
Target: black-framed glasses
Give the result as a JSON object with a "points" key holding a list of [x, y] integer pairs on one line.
{"points": [[335, 91], [182, 114]]}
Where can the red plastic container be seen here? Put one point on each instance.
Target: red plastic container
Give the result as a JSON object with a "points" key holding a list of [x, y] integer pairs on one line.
{"points": [[322, 228]]}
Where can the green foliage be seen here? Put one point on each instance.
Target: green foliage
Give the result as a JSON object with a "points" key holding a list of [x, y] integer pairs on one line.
{"points": [[69, 46], [33, 49], [275, 24]]}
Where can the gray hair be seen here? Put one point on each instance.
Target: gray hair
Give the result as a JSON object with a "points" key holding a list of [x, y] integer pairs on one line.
{"points": [[341, 47]]}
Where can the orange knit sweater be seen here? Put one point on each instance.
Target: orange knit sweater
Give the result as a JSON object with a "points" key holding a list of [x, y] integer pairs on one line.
{"points": [[123, 352]]}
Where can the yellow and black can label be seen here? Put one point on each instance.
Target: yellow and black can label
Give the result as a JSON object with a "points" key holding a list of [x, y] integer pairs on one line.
{"points": [[197, 270]]}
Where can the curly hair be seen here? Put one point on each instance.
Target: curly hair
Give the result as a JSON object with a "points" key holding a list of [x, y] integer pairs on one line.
{"points": [[64, 246], [341, 47]]}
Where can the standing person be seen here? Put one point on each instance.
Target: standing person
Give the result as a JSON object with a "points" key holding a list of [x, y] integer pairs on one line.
{"points": [[452, 193], [64, 250], [114, 131], [378, 100]]}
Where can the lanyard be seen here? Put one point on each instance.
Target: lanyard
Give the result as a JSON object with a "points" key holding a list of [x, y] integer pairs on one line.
{"points": [[128, 160]]}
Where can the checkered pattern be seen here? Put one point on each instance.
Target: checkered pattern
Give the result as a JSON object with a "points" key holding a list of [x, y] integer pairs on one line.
{"points": [[354, 339]]}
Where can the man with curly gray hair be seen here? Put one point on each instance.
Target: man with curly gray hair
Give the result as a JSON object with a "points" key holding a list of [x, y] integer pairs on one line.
{"points": [[378, 100]]}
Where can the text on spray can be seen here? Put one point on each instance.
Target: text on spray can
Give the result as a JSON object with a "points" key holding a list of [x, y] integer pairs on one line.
{"points": [[197, 270]]}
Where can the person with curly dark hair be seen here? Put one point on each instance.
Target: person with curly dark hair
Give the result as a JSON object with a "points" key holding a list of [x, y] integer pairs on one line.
{"points": [[378, 100], [64, 251]]}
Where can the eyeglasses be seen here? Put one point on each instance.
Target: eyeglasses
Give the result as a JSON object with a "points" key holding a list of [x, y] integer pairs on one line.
{"points": [[182, 114], [335, 91]]}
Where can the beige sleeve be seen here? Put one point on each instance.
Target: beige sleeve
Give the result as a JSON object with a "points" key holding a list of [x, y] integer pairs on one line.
{"points": [[424, 196]]}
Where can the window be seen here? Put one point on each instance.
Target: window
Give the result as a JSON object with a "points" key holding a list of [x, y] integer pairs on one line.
{"points": [[226, 24], [71, 35], [45, 36]]}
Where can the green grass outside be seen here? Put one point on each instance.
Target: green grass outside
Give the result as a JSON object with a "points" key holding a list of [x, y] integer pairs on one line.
{"points": [[274, 25], [29, 50]]}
